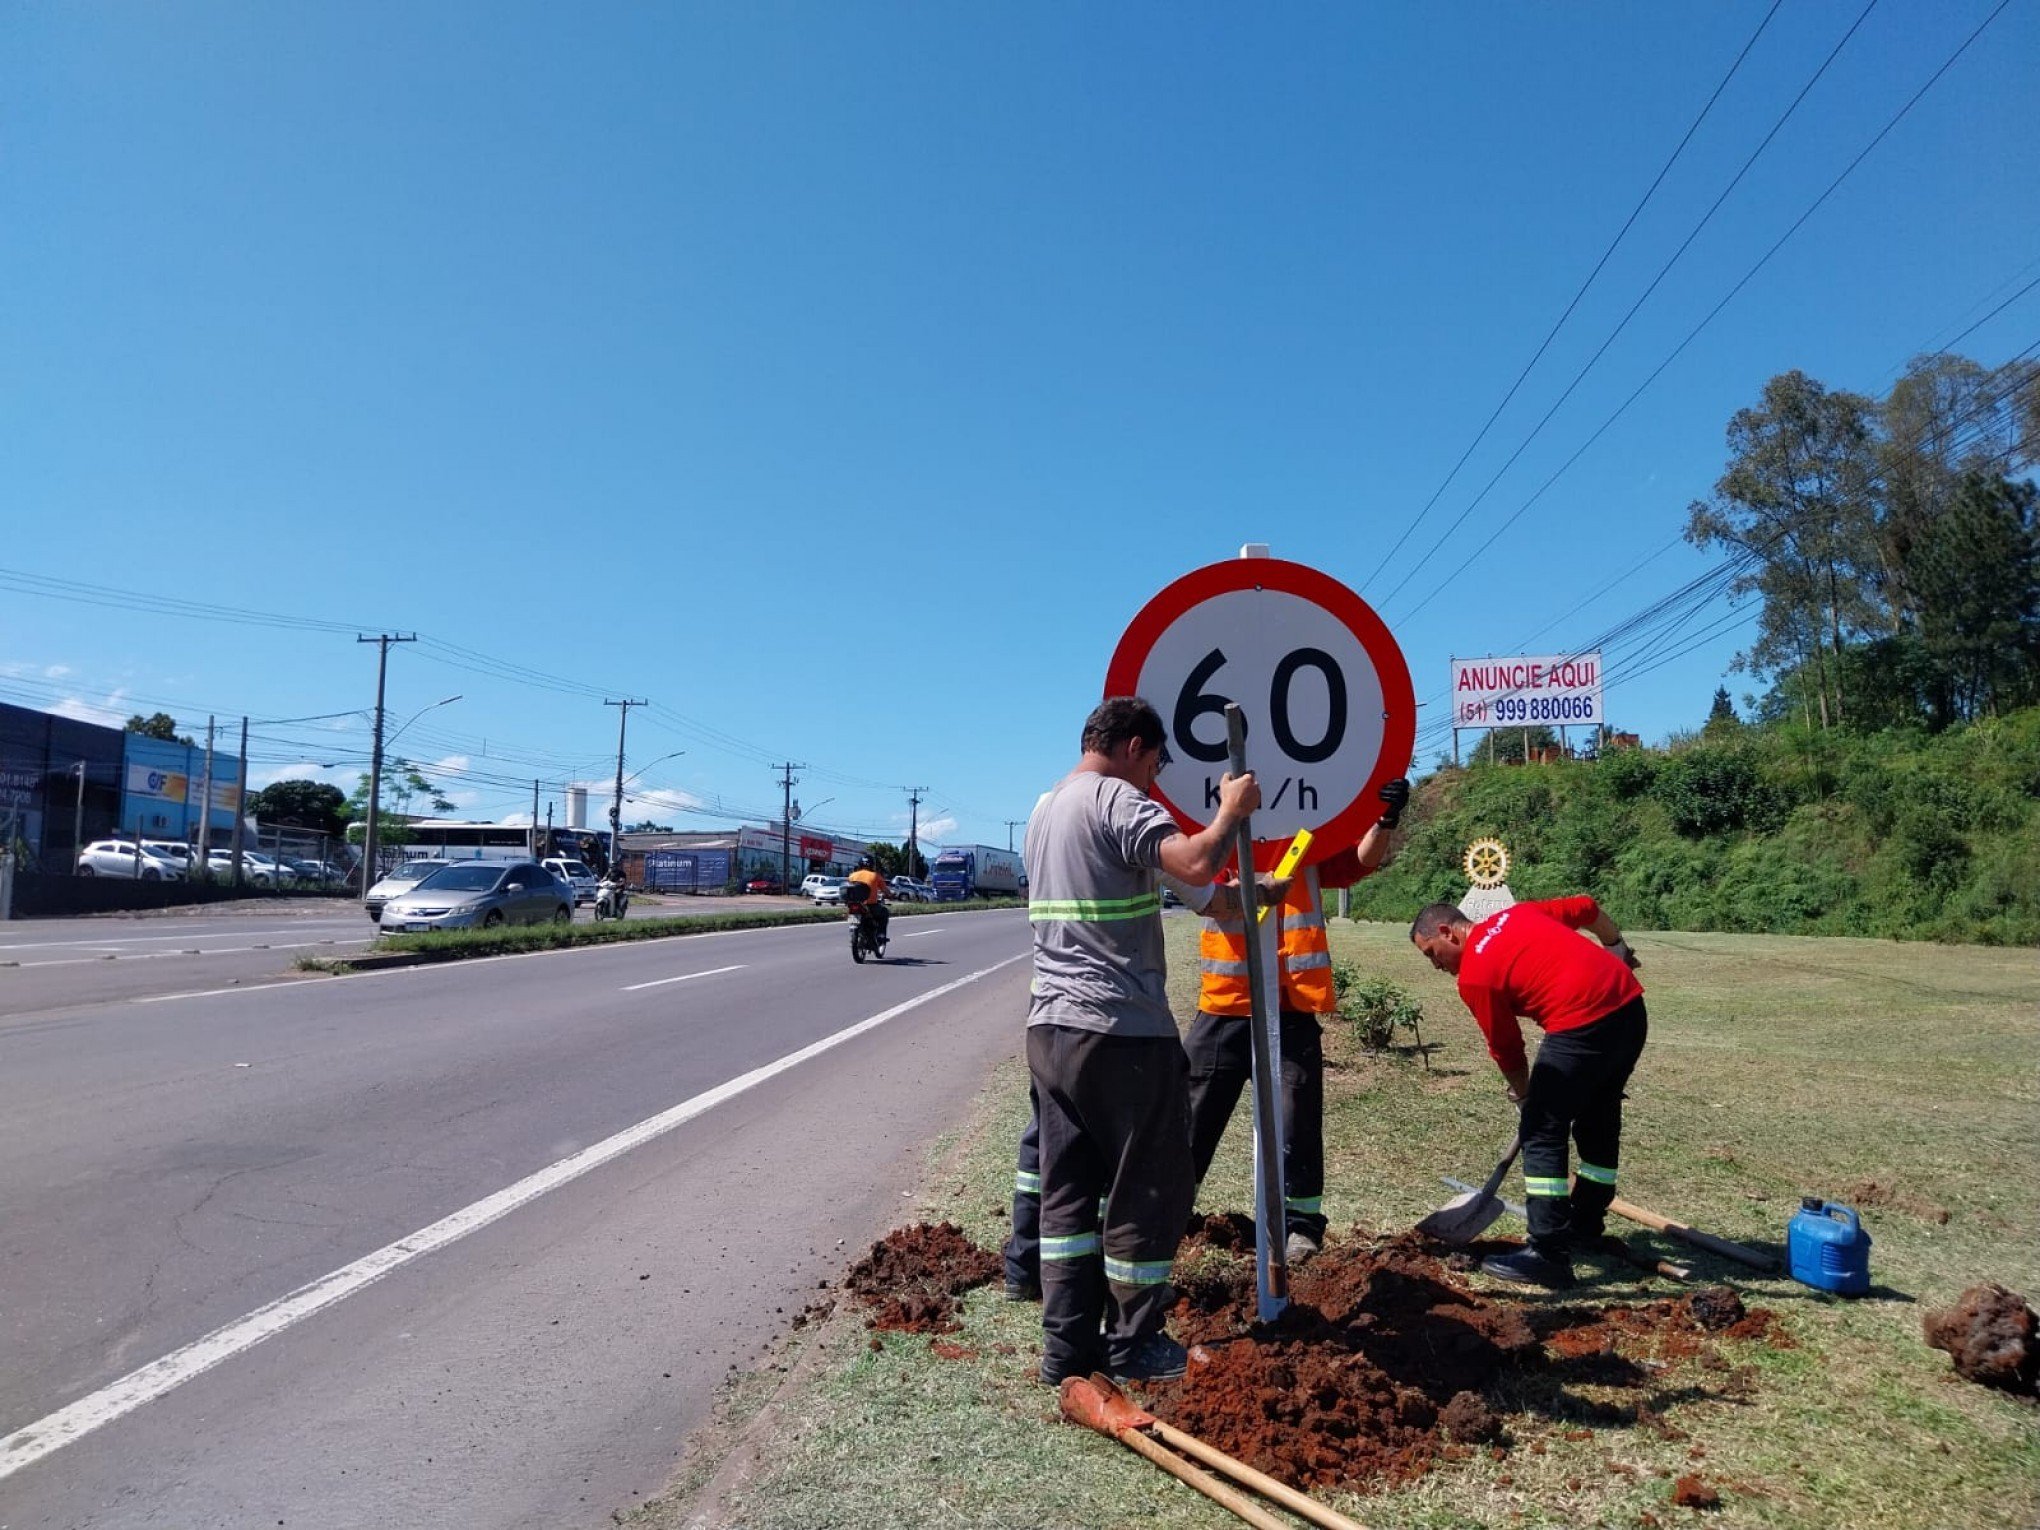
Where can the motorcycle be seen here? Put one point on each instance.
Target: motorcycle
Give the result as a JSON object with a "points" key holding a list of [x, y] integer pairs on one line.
{"points": [[612, 900], [867, 930]]}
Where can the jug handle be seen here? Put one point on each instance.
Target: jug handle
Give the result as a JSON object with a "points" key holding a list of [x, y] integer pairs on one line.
{"points": [[1846, 1213]]}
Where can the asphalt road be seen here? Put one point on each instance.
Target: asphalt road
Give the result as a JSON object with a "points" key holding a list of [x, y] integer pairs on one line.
{"points": [[322, 1253]]}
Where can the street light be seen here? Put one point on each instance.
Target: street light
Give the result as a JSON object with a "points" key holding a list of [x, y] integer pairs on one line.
{"points": [[616, 807], [368, 842]]}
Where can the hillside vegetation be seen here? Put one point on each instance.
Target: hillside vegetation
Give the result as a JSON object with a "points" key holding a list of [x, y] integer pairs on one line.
{"points": [[1779, 829]]}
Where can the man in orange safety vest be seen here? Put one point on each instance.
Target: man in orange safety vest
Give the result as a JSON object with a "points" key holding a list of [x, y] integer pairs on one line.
{"points": [[1220, 1043]]}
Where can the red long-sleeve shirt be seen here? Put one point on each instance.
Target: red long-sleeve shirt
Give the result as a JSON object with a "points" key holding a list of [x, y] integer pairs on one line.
{"points": [[1527, 961]]}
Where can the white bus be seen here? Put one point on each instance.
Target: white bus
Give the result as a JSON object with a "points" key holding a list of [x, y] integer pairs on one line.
{"points": [[451, 839]]}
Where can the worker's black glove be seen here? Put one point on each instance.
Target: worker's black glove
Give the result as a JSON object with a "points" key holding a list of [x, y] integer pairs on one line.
{"points": [[1396, 794]]}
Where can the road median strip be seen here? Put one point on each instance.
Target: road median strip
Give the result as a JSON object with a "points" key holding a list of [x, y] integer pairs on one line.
{"points": [[458, 945]]}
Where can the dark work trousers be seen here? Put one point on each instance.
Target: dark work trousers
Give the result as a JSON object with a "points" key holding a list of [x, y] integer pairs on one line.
{"points": [[1221, 1052], [1115, 1126], [1576, 1090], [1023, 1247]]}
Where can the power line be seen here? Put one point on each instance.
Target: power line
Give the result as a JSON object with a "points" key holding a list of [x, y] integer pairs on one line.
{"points": [[1693, 334], [1552, 334], [1663, 271]]}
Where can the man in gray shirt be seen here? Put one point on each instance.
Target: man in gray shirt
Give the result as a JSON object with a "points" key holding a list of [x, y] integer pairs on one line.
{"points": [[1108, 1068]]}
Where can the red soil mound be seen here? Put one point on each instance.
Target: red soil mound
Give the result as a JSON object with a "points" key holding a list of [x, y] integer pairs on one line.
{"points": [[913, 1276], [1991, 1332]]}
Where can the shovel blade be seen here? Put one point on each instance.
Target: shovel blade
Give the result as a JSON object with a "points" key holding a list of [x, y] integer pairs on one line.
{"points": [[1463, 1218]]}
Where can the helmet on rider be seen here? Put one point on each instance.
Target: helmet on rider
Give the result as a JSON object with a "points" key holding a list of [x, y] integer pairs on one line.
{"points": [[865, 863]]}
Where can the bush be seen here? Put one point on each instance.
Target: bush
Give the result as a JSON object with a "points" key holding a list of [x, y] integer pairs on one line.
{"points": [[1715, 791], [1376, 1007]]}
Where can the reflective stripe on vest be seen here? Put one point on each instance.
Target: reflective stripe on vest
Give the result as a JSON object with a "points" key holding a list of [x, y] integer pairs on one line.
{"points": [[1304, 952]]}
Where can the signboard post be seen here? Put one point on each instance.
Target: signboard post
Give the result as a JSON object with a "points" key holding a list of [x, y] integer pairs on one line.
{"points": [[1327, 717]]}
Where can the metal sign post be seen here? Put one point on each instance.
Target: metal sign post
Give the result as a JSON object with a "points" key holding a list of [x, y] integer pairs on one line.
{"points": [[1271, 1263]]}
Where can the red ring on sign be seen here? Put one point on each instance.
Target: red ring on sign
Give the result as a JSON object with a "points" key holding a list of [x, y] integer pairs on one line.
{"points": [[1398, 697]]}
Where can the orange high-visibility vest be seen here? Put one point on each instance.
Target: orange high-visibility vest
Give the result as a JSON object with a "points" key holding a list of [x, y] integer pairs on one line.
{"points": [[1304, 953]]}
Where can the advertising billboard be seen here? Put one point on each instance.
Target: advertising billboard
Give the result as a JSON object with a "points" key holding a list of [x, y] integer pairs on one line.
{"points": [[1554, 689]]}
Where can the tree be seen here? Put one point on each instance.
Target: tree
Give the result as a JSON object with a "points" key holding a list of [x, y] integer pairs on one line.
{"points": [[1504, 746], [302, 804], [1721, 716], [648, 827], [402, 784], [158, 725], [1796, 505]]}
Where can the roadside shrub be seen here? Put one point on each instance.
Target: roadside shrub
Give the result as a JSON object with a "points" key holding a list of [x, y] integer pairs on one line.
{"points": [[1628, 772], [1715, 791], [1376, 1007]]}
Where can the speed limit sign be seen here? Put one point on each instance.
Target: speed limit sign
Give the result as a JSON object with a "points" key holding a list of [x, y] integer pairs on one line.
{"points": [[1329, 709]]}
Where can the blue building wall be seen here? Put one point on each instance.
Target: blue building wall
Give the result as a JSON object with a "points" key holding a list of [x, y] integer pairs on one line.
{"points": [[160, 786]]}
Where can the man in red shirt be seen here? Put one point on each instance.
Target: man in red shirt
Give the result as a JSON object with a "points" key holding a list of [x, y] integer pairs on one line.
{"points": [[1528, 960]]}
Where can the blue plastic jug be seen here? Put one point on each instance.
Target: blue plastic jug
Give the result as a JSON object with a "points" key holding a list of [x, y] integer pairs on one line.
{"points": [[1827, 1249]]}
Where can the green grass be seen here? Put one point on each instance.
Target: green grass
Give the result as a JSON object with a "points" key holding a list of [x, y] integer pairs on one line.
{"points": [[1776, 1065]]}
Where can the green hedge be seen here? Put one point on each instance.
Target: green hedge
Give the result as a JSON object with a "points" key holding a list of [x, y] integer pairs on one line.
{"points": [[508, 939], [1757, 829]]}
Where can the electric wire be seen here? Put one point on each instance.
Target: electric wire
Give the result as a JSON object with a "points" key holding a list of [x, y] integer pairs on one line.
{"points": [[1693, 334], [1606, 254]]}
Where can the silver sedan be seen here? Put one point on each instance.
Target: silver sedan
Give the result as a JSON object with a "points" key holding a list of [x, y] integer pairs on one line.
{"points": [[480, 894]]}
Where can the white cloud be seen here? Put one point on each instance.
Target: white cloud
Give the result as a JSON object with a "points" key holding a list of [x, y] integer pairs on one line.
{"points": [[56, 671], [933, 831], [111, 712], [342, 776]]}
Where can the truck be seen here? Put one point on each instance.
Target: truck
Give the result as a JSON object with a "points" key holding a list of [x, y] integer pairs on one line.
{"points": [[975, 871]]}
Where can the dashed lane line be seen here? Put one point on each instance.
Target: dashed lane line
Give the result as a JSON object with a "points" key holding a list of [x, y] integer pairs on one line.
{"points": [[682, 978]]}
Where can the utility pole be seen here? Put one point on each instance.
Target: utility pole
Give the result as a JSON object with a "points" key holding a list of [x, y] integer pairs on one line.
{"points": [[531, 839], [78, 821], [616, 802], [914, 796], [205, 803], [240, 814], [787, 782], [368, 840], [1011, 825]]}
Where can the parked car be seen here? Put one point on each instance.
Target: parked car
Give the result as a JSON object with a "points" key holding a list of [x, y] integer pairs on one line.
{"points": [[910, 890], [119, 858], [576, 875], [827, 889], [256, 870], [177, 850], [484, 894], [765, 884], [811, 881], [401, 880], [315, 874]]}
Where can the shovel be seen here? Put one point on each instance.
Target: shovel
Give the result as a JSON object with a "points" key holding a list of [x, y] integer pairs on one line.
{"points": [[1096, 1403], [1466, 1217]]}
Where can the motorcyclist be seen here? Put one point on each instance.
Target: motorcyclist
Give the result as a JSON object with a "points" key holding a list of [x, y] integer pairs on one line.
{"points": [[610, 897], [874, 907]]}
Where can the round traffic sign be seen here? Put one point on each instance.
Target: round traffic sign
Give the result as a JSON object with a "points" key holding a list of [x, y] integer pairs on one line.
{"points": [[1330, 712]]}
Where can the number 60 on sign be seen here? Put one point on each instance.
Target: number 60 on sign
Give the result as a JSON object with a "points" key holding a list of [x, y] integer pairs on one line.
{"points": [[1330, 712]]}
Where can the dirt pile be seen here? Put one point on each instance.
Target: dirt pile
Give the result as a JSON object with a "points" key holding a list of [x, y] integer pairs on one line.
{"points": [[913, 1277], [1384, 1362], [1993, 1336]]}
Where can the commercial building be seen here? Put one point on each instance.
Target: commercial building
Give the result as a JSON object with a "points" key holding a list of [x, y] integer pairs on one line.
{"points": [[65, 783]]}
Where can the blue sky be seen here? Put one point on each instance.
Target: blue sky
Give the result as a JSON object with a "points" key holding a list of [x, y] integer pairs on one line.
{"points": [[842, 379]]}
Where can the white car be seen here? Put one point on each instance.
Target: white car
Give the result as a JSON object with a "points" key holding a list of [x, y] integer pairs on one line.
{"points": [[118, 858], [909, 890], [812, 880], [826, 889], [576, 875], [256, 870]]}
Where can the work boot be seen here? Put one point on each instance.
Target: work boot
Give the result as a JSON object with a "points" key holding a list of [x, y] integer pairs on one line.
{"points": [[1156, 1358], [1530, 1266], [1023, 1290], [1298, 1248]]}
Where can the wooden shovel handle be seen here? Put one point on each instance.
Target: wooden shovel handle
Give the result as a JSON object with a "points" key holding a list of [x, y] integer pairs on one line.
{"points": [[1204, 1482], [1275, 1492], [1722, 1246]]}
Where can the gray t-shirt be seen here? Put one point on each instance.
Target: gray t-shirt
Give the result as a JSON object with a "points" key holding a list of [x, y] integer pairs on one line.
{"points": [[1094, 901]]}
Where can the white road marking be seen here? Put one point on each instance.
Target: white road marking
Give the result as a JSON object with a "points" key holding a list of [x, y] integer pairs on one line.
{"points": [[684, 977], [917, 934], [145, 940], [31, 1443], [207, 993]]}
